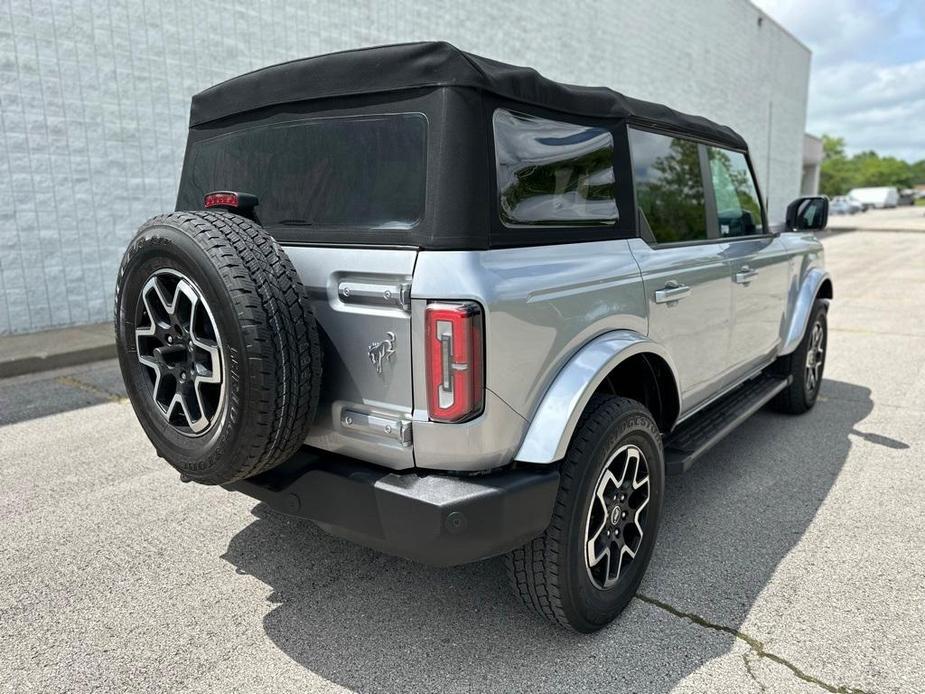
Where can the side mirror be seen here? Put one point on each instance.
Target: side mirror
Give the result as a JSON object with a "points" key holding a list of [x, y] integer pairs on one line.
{"points": [[808, 214]]}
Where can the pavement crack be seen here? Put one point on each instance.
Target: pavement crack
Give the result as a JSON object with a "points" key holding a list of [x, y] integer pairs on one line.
{"points": [[751, 672], [88, 388], [756, 646]]}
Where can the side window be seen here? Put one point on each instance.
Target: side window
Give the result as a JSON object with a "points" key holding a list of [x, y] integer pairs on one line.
{"points": [[669, 186], [737, 208], [552, 173]]}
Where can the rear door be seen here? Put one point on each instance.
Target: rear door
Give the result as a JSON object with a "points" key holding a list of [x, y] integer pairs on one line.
{"points": [[684, 266], [759, 263]]}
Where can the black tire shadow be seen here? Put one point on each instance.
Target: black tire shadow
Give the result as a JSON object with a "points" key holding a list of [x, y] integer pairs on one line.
{"points": [[371, 622]]}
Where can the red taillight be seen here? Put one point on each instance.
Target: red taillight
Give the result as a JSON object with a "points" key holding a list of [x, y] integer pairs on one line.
{"points": [[221, 199], [228, 198], [455, 365]]}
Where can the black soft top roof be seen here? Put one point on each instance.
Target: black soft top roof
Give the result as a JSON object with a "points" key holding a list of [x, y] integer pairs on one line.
{"points": [[434, 64]]}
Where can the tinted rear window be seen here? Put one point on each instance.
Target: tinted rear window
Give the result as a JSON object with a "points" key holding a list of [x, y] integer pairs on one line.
{"points": [[357, 171]]}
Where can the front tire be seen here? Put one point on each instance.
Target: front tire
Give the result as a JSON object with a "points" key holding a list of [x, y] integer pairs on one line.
{"points": [[583, 571], [805, 365]]}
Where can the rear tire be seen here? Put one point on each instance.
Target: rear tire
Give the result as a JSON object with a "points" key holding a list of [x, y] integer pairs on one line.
{"points": [[217, 345], [804, 365], [556, 575]]}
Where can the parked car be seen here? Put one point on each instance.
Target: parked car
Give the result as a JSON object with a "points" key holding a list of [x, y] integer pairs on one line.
{"points": [[450, 309], [840, 207], [842, 204], [878, 197]]}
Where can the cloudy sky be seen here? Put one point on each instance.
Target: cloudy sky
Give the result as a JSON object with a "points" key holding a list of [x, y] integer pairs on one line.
{"points": [[868, 74]]}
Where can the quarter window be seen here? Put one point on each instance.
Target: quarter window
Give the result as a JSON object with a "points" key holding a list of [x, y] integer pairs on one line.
{"points": [[669, 186], [552, 173], [737, 208]]}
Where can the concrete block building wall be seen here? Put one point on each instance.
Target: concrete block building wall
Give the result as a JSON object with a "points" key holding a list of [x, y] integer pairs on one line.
{"points": [[94, 101]]}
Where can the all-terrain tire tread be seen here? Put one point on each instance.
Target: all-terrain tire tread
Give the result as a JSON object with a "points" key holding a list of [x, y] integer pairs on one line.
{"points": [[792, 399], [533, 568], [281, 338]]}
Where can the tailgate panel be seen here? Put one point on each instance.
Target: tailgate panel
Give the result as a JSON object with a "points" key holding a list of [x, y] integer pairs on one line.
{"points": [[361, 296]]}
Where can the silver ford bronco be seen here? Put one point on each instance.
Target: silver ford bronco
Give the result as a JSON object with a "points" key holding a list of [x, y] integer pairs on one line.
{"points": [[450, 309]]}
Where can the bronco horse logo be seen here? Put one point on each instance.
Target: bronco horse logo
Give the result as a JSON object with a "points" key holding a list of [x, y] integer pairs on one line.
{"points": [[382, 351]]}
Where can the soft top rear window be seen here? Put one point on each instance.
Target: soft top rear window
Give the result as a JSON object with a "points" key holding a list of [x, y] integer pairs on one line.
{"points": [[552, 173], [353, 171]]}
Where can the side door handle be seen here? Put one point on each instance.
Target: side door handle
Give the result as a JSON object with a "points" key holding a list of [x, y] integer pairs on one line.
{"points": [[745, 275], [673, 291]]}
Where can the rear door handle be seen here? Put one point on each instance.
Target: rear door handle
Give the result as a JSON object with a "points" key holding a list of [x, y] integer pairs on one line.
{"points": [[672, 292], [745, 275]]}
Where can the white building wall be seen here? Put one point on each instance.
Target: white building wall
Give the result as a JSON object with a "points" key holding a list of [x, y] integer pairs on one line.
{"points": [[94, 99], [813, 154]]}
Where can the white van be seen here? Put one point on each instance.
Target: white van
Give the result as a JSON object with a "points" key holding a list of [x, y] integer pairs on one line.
{"points": [[880, 197]]}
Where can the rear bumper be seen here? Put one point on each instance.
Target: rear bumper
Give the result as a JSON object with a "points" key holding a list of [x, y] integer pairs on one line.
{"points": [[435, 519]]}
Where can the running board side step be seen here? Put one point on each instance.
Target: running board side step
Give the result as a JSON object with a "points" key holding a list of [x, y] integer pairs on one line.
{"points": [[704, 430]]}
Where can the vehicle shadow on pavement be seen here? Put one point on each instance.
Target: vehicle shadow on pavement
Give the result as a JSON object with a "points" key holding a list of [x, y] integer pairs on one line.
{"points": [[371, 622]]}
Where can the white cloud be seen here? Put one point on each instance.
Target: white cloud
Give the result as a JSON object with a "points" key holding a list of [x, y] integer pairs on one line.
{"points": [[868, 76]]}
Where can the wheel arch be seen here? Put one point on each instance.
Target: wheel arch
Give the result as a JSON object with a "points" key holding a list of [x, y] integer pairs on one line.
{"points": [[648, 378], [816, 285], [621, 362]]}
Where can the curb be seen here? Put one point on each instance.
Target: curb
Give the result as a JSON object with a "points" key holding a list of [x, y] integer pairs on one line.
{"points": [[887, 230], [55, 349], [27, 365]]}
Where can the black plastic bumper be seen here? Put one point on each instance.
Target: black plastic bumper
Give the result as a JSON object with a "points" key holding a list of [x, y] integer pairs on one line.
{"points": [[435, 519]]}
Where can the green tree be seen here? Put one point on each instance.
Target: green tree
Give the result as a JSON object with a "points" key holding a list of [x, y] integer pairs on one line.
{"points": [[833, 147], [840, 173], [918, 172], [835, 176], [873, 170]]}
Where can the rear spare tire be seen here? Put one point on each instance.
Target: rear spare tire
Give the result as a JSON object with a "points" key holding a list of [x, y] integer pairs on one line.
{"points": [[217, 345]]}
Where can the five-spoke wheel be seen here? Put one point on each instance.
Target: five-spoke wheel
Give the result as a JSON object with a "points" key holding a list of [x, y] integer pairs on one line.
{"points": [[177, 340]]}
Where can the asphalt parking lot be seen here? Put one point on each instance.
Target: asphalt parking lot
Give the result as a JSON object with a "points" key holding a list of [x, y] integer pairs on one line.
{"points": [[904, 218], [791, 559]]}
